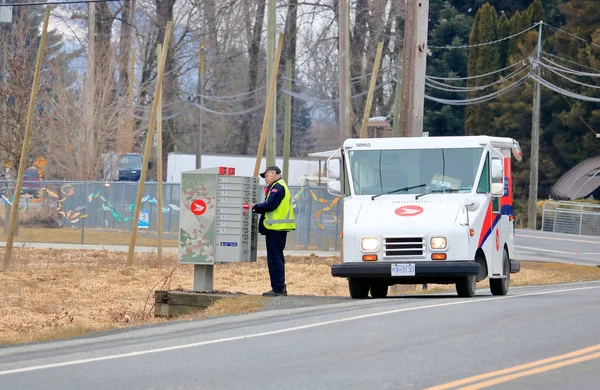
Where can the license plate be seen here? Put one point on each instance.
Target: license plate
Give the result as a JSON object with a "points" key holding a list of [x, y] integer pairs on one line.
{"points": [[403, 270]]}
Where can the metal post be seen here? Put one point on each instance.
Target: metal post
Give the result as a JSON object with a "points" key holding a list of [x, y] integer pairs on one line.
{"points": [[308, 215], [543, 216], [580, 219], [82, 230]]}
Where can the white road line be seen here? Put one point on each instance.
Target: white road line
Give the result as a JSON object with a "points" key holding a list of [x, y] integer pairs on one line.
{"points": [[553, 251], [556, 239], [284, 330]]}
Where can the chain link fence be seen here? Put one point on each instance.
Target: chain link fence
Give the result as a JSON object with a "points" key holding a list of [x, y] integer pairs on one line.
{"points": [[571, 217], [101, 213]]}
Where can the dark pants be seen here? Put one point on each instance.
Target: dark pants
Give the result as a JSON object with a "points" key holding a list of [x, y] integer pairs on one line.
{"points": [[275, 241]]}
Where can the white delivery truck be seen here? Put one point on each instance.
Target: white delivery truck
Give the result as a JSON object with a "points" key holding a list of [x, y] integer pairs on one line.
{"points": [[425, 210]]}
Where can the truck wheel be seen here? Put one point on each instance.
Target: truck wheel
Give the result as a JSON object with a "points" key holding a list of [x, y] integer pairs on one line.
{"points": [[466, 286], [359, 288], [500, 286], [379, 290]]}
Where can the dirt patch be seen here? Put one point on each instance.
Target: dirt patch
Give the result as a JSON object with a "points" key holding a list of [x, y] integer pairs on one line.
{"points": [[50, 294]]}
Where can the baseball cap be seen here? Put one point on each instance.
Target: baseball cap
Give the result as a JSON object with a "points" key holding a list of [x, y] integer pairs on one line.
{"points": [[274, 168]]}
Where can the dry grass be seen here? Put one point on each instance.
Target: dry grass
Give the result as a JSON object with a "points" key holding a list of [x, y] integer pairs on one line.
{"points": [[50, 294], [68, 235]]}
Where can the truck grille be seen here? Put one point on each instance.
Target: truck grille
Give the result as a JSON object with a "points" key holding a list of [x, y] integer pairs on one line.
{"points": [[399, 247]]}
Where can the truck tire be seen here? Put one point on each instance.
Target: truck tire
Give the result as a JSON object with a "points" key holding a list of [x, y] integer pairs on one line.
{"points": [[500, 286], [359, 288], [466, 286], [379, 290]]}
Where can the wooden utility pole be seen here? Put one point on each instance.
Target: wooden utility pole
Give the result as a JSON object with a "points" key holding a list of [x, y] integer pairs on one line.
{"points": [[344, 70], [287, 130], [535, 144], [90, 89], [271, 36], [268, 109], [34, 89], [200, 128], [414, 63], [369, 103], [159, 165], [128, 138], [397, 92], [149, 141]]}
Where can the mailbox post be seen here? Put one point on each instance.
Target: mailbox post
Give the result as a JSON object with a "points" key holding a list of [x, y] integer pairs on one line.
{"points": [[216, 223]]}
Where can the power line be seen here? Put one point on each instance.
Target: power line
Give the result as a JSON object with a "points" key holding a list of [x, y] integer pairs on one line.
{"points": [[450, 88], [228, 113], [568, 78], [564, 69], [579, 116], [572, 62], [485, 43], [562, 91], [479, 99], [572, 35], [477, 76], [58, 3]]}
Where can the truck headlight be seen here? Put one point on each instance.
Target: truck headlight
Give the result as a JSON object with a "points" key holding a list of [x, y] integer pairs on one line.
{"points": [[438, 242], [369, 244]]}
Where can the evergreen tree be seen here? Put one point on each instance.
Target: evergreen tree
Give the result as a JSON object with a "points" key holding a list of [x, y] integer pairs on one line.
{"points": [[451, 28], [482, 60], [19, 43]]}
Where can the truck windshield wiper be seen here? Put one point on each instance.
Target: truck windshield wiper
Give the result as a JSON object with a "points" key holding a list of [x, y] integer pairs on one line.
{"points": [[398, 190], [439, 191]]}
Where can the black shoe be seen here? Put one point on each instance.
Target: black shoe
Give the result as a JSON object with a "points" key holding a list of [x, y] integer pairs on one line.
{"points": [[274, 293]]}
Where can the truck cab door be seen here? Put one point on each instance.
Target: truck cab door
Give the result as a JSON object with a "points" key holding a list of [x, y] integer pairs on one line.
{"points": [[497, 191]]}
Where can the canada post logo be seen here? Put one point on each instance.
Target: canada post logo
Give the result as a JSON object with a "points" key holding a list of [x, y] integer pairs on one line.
{"points": [[409, 210]]}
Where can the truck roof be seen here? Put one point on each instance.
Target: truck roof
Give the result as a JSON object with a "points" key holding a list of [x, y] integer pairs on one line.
{"points": [[435, 143]]}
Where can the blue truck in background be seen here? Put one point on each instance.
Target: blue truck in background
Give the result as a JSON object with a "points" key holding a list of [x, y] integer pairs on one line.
{"points": [[122, 167]]}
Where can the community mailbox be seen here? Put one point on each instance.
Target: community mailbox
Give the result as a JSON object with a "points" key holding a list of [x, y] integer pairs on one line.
{"points": [[216, 223]]}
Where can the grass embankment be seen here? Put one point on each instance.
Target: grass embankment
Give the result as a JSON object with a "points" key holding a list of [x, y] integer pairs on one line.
{"points": [[51, 294], [68, 235]]}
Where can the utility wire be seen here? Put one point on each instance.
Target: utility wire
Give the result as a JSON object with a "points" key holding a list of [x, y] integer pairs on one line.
{"points": [[562, 91], [247, 95], [564, 69], [352, 80], [485, 43], [477, 76], [571, 35], [479, 99], [572, 62], [304, 97], [568, 78], [450, 88], [227, 113], [576, 113], [58, 3], [164, 118]]}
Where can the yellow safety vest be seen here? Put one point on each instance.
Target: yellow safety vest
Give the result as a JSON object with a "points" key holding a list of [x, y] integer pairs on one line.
{"points": [[282, 218]]}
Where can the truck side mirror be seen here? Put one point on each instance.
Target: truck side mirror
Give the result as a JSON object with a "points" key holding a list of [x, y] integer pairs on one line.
{"points": [[497, 189], [333, 169], [497, 169], [334, 187]]}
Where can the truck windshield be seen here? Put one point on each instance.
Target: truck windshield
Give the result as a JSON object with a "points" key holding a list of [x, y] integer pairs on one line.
{"points": [[130, 162], [441, 170]]}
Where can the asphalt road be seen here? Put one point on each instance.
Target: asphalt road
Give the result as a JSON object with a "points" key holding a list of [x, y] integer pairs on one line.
{"points": [[557, 247], [399, 343]]}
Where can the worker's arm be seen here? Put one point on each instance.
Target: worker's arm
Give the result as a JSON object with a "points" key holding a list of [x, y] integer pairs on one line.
{"points": [[273, 200]]}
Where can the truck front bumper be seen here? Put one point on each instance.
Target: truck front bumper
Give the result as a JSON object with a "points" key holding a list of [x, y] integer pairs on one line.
{"points": [[442, 272]]}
